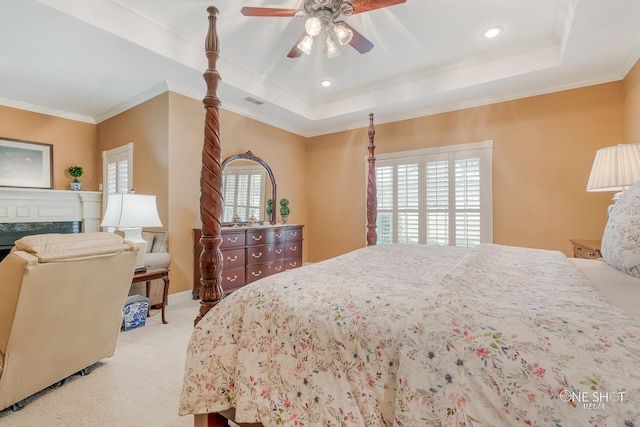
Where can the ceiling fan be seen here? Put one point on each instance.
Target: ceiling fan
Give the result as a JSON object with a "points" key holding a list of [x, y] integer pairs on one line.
{"points": [[322, 17]]}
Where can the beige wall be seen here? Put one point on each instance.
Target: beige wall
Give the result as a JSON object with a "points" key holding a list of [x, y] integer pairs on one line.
{"points": [[543, 151], [631, 86], [168, 133], [74, 143], [146, 125]]}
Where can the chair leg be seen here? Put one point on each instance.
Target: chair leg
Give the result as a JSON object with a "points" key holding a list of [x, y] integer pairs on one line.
{"points": [[17, 406], [83, 372]]}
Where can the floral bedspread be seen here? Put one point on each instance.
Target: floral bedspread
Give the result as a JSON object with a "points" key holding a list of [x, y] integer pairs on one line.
{"points": [[415, 335]]}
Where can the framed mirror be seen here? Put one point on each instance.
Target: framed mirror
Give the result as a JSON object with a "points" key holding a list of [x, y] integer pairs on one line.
{"points": [[247, 187]]}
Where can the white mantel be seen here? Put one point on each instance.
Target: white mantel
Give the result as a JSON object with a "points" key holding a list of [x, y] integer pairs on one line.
{"points": [[38, 205]]}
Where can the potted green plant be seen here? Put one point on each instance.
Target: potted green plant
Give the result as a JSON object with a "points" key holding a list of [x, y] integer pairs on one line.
{"points": [[284, 210], [75, 172], [269, 208]]}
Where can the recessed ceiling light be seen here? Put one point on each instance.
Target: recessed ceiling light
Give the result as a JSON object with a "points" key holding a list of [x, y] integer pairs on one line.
{"points": [[325, 83], [492, 32]]}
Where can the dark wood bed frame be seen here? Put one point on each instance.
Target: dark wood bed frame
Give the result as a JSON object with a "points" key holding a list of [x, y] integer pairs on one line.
{"points": [[211, 199]]}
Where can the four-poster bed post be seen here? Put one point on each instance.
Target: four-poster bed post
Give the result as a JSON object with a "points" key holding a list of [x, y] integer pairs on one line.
{"points": [[211, 291], [372, 198], [211, 180]]}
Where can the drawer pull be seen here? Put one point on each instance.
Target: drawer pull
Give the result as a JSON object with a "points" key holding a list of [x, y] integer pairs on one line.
{"points": [[278, 251], [258, 274], [230, 240], [278, 268], [293, 248], [232, 279], [293, 264], [258, 255], [294, 233], [232, 259], [278, 235], [257, 238]]}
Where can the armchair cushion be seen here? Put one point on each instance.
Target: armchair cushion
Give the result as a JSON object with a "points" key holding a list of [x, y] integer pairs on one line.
{"points": [[70, 247], [157, 254]]}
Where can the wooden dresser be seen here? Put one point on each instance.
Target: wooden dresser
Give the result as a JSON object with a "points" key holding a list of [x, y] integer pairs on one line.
{"points": [[251, 253], [589, 249]]}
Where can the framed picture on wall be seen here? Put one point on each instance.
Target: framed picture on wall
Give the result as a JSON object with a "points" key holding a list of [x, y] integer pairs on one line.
{"points": [[25, 164]]}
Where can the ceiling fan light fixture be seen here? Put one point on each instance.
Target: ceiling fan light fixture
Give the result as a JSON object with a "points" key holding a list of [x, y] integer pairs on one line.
{"points": [[305, 44], [344, 34], [313, 26], [332, 48]]}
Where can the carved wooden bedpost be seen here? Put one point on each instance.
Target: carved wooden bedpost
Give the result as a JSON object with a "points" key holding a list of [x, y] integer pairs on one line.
{"points": [[372, 198], [211, 180]]}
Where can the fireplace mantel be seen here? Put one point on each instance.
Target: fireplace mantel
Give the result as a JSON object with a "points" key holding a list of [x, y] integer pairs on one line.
{"points": [[37, 205]]}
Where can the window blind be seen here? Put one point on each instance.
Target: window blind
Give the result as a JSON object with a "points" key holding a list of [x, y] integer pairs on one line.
{"points": [[243, 187], [438, 196], [117, 169]]}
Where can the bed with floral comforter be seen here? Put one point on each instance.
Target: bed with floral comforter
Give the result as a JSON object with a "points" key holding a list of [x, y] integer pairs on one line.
{"points": [[415, 335]]}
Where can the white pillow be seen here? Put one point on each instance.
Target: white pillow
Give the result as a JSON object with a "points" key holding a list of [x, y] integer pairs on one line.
{"points": [[621, 238], [160, 241]]}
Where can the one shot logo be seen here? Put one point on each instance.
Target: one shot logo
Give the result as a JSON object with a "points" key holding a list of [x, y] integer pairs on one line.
{"points": [[594, 400]]}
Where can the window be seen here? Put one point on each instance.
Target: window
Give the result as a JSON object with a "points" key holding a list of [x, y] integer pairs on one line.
{"points": [[243, 190], [437, 196], [117, 171]]}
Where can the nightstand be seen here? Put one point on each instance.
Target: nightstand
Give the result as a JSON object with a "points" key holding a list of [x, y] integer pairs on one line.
{"points": [[154, 273], [589, 249]]}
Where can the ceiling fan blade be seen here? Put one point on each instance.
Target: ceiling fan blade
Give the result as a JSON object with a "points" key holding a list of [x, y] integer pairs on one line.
{"points": [[268, 11], [359, 42], [360, 6], [295, 50]]}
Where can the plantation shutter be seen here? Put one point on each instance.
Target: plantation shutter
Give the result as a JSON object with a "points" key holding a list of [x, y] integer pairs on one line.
{"points": [[117, 171], [436, 196], [242, 188]]}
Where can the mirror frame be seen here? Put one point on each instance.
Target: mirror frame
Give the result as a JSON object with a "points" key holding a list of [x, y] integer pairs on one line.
{"points": [[253, 158]]}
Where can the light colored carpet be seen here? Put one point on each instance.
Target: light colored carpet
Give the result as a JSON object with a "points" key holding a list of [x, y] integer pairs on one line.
{"points": [[139, 386]]}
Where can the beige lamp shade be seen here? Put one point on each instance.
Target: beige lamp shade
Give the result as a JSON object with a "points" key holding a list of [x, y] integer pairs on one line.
{"points": [[130, 212], [615, 168]]}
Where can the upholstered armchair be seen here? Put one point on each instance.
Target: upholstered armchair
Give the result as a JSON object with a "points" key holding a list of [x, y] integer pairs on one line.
{"points": [[61, 302], [157, 249], [157, 256]]}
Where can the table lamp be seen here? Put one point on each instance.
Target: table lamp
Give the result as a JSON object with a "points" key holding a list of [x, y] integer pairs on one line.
{"points": [[615, 169], [130, 212]]}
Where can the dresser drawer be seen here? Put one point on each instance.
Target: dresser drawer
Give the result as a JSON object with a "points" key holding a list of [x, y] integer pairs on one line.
{"points": [[233, 279], [293, 249], [233, 258], [261, 237], [292, 263], [257, 272], [279, 232], [232, 239], [264, 254], [293, 234]]}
